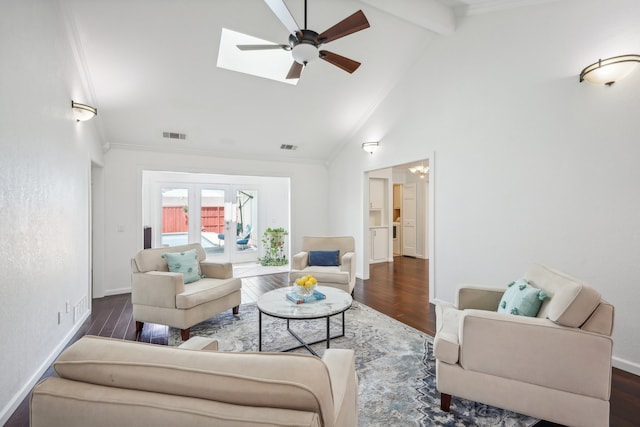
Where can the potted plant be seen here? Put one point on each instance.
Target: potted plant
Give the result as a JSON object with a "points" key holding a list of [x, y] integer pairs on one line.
{"points": [[273, 243]]}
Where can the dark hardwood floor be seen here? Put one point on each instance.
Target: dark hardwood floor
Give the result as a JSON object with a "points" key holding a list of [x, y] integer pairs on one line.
{"points": [[398, 289]]}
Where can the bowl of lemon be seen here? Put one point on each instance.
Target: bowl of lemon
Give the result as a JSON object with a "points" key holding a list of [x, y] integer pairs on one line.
{"points": [[306, 285]]}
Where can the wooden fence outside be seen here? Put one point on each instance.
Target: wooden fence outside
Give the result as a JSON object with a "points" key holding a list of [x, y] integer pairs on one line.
{"points": [[175, 219]]}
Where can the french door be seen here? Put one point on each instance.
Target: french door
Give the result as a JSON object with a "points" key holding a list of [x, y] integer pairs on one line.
{"points": [[222, 218]]}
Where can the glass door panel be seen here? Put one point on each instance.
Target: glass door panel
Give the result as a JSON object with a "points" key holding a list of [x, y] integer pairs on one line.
{"points": [[212, 221], [175, 216], [246, 204]]}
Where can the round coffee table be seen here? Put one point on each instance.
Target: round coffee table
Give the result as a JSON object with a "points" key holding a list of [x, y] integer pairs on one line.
{"points": [[276, 304]]}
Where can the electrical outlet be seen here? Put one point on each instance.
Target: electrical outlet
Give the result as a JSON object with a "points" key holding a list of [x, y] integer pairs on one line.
{"points": [[59, 318], [67, 307]]}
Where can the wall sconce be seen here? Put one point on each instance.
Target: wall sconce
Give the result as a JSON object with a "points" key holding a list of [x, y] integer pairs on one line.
{"points": [[83, 112], [608, 71], [370, 147], [420, 170]]}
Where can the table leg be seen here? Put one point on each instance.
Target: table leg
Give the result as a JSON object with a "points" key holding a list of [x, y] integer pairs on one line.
{"points": [[259, 331], [328, 332]]}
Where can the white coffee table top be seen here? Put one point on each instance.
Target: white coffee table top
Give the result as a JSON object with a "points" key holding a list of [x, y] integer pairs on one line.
{"points": [[275, 303]]}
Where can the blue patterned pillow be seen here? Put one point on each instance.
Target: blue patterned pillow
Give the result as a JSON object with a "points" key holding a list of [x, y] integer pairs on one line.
{"points": [[522, 299], [186, 263], [324, 258]]}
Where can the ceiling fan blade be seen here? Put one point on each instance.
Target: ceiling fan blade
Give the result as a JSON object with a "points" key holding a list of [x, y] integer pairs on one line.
{"points": [[295, 71], [280, 9], [263, 46], [350, 25], [348, 65]]}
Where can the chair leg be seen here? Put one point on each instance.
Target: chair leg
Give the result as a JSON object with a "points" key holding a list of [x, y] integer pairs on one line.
{"points": [[184, 334], [445, 402], [236, 309], [139, 326]]}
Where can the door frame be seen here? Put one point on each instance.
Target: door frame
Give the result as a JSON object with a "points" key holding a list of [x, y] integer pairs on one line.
{"points": [[431, 219]]}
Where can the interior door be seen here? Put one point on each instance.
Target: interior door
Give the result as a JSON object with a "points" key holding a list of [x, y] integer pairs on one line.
{"points": [[409, 214]]}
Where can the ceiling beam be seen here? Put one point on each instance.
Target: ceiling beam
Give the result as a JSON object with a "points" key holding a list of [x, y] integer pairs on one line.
{"points": [[428, 14]]}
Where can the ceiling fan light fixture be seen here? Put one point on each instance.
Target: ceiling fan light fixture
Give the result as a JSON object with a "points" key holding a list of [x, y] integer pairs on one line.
{"points": [[304, 53], [608, 71]]}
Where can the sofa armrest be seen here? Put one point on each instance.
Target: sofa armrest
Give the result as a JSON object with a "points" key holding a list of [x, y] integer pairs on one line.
{"points": [[344, 385], [156, 288], [216, 270], [348, 263], [478, 297], [536, 351], [300, 261]]}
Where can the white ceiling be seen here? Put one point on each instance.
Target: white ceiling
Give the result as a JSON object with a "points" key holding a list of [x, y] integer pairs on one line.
{"points": [[150, 66]]}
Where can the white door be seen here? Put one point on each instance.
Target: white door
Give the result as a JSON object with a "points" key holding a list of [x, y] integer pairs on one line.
{"points": [[409, 214]]}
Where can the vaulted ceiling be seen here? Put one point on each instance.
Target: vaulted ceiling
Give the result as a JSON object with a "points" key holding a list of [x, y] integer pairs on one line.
{"points": [[150, 67]]}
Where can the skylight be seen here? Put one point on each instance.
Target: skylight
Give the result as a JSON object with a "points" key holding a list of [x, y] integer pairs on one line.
{"points": [[269, 64]]}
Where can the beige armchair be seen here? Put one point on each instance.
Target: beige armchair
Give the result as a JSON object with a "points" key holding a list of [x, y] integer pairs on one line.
{"points": [[160, 296], [556, 366], [338, 272]]}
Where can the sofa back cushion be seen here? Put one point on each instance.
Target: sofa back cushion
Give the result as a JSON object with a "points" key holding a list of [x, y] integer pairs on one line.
{"points": [[570, 301], [343, 244], [151, 259], [271, 380]]}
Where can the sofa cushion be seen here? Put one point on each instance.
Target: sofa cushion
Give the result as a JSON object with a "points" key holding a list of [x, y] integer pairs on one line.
{"points": [[322, 274], [521, 299], [570, 302], [206, 290], [184, 262], [276, 380], [324, 258]]}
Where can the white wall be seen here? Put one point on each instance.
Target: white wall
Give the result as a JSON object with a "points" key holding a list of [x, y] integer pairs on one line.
{"points": [[44, 194], [123, 200], [531, 166]]}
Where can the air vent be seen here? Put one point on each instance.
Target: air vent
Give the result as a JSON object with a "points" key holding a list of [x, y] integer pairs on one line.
{"points": [[174, 135], [288, 147]]}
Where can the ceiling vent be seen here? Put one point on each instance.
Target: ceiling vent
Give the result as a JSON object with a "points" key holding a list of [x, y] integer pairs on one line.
{"points": [[288, 147], [174, 135]]}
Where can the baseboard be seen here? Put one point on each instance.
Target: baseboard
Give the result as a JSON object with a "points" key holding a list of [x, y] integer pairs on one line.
{"points": [[626, 365], [118, 291], [13, 404]]}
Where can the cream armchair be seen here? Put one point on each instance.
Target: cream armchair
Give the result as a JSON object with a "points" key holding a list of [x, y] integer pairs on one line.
{"points": [[338, 272], [556, 366], [160, 296]]}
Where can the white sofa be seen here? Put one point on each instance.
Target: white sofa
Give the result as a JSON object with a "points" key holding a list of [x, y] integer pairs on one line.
{"points": [[341, 275], [160, 296], [556, 366], [107, 382]]}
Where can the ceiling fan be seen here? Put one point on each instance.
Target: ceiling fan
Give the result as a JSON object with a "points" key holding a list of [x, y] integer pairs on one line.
{"points": [[304, 44]]}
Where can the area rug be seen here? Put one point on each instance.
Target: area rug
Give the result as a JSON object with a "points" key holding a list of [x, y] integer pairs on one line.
{"points": [[394, 362]]}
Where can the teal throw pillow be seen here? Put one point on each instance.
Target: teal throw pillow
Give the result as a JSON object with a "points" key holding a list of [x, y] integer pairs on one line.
{"points": [[184, 262], [522, 299]]}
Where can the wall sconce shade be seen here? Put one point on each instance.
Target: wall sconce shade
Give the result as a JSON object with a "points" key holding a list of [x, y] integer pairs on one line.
{"points": [[608, 71], [420, 170], [370, 147], [83, 112]]}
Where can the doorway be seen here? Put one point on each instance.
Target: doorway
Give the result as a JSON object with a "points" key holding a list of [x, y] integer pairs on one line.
{"points": [[225, 214], [411, 211]]}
